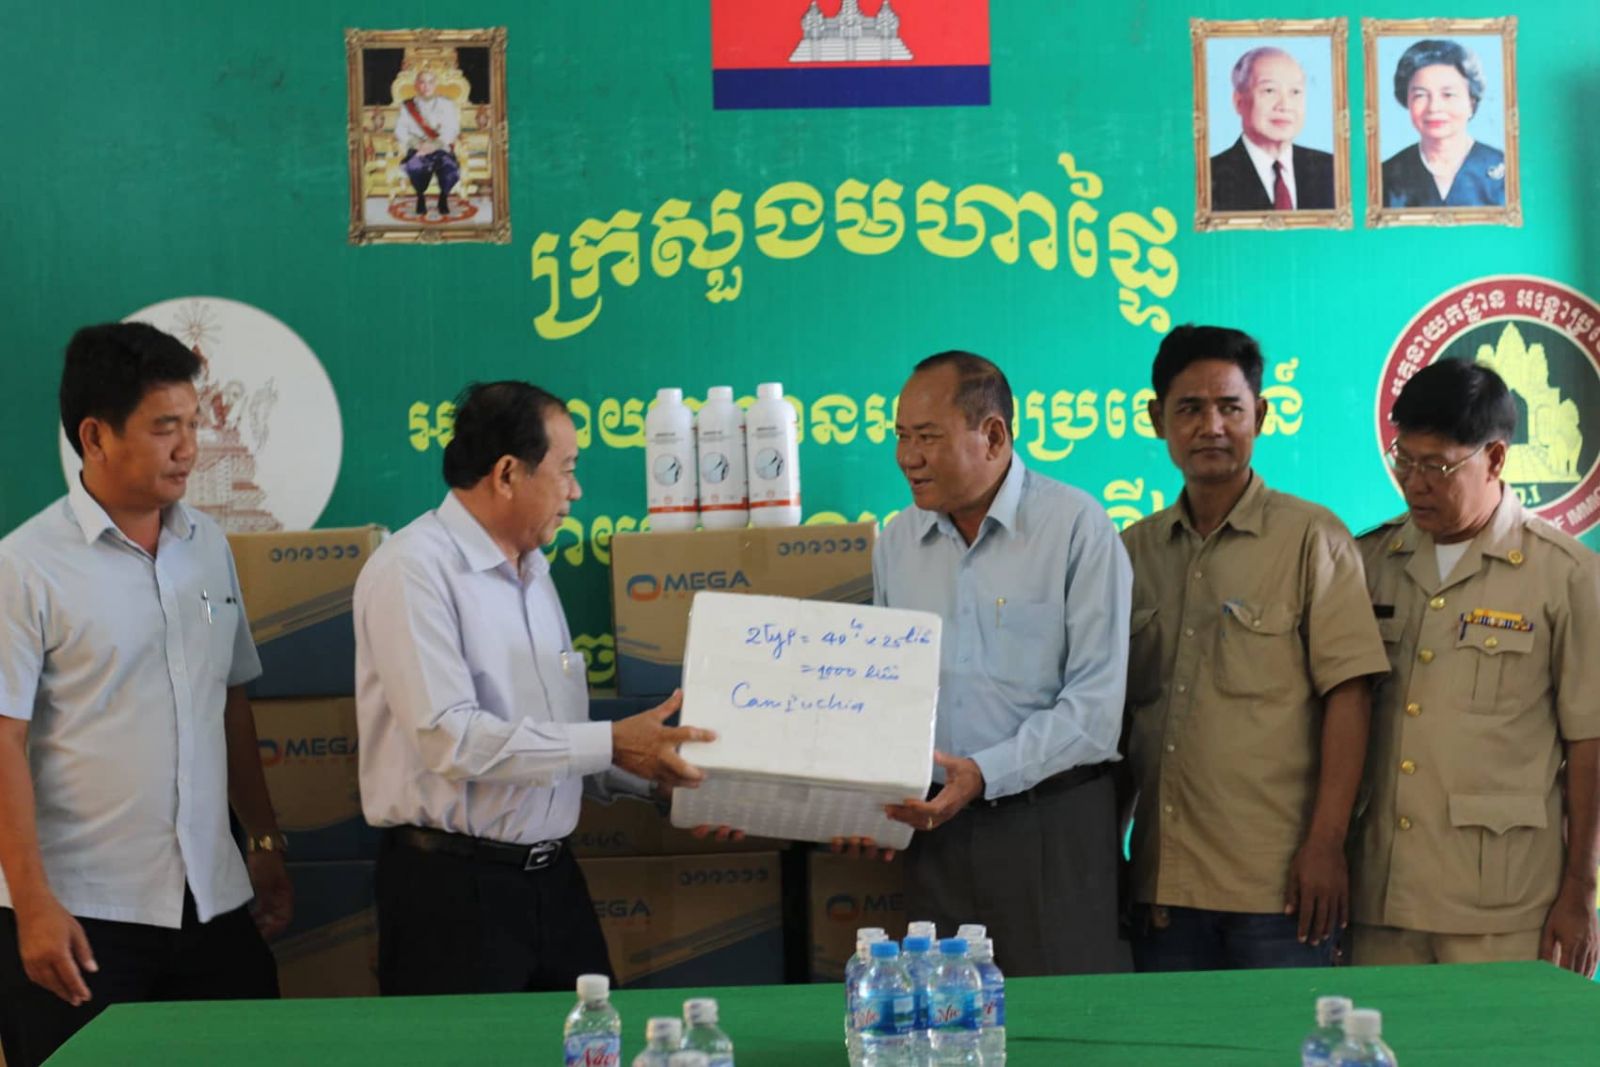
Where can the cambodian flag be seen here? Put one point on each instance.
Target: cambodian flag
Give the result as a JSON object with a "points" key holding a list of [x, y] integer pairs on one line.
{"points": [[849, 53]]}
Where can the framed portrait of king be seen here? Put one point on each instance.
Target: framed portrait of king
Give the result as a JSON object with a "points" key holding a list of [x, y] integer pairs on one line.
{"points": [[1442, 123], [427, 133], [1271, 124]]}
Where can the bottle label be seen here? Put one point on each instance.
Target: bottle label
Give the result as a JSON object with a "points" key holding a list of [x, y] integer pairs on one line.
{"points": [[594, 1050], [889, 1014], [954, 1009], [994, 1008]]}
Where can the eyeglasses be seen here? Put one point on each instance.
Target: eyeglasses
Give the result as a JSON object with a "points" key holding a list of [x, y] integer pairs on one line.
{"points": [[1403, 466]]}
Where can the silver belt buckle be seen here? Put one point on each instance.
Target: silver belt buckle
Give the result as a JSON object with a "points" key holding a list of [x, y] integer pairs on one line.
{"points": [[541, 855]]}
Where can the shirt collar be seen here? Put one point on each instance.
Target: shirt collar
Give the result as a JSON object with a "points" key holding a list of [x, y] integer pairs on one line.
{"points": [[1003, 509], [1500, 536], [93, 520], [1263, 161], [477, 547], [1248, 514]]}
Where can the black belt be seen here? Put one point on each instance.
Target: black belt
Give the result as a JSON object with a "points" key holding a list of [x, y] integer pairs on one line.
{"points": [[1058, 783], [535, 857]]}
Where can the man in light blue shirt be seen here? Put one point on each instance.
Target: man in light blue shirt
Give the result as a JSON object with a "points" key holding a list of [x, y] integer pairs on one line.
{"points": [[124, 728], [1033, 586]]}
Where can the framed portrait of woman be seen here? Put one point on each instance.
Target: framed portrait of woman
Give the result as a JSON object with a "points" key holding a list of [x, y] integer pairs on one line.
{"points": [[427, 135], [1271, 124], [1441, 122]]}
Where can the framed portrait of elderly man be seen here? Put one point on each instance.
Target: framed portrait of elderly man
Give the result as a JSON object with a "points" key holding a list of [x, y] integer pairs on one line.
{"points": [[1271, 124], [427, 136], [1441, 122]]}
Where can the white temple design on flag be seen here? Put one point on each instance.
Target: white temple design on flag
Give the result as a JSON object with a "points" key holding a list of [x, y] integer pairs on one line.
{"points": [[850, 36]]}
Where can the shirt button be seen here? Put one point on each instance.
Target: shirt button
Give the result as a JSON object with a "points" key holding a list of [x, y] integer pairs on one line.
{"points": [[1436, 603], [1182, 688], [1404, 823], [1491, 642], [1413, 709], [1197, 575], [1408, 766], [1167, 809], [1172, 748], [1188, 631], [1426, 655]]}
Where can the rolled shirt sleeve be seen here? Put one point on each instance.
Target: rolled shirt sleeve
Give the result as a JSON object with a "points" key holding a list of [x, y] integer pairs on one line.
{"points": [[21, 642], [1342, 639]]}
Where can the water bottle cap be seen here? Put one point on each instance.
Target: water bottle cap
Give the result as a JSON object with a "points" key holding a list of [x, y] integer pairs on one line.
{"points": [[917, 943], [669, 396], [1363, 1023], [871, 933], [664, 1028], [689, 1057], [1331, 1011], [953, 946], [593, 987], [700, 1010], [972, 931], [770, 390], [922, 928], [720, 392], [885, 950], [982, 949]]}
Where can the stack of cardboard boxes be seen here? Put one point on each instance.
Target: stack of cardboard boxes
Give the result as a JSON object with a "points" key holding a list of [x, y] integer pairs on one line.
{"points": [[297, 589]]}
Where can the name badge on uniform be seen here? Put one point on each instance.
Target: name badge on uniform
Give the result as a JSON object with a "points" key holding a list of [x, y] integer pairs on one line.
{"points": [[1499, 620]]}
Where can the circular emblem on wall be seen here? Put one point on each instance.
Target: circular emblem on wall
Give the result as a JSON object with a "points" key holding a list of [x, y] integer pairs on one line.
{"points": [[1543, 338], [270, 435]]}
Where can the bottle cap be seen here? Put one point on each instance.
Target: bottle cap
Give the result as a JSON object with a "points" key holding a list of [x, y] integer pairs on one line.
{"points": [[669, 396], [953, 946], [1332, 1010], [593, 987], [720, 392], [689, 1057], [871, 933], [918, 944], [664, 1028], [770, 391], [701, 1011], [981, 949], [972, 931], [1363, 1023], [922, 928], [885, 950]]}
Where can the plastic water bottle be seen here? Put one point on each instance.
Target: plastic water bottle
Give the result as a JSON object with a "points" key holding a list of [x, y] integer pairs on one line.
{"points": [[593, 1034], [724, 473], [774, 458], [700, 1033], [1317, 1049], [885, 1007], [865, 937], [1363, 1041], [955, 1019], [662, 1036], [992, 1038], [920, 962], [670, 477]]}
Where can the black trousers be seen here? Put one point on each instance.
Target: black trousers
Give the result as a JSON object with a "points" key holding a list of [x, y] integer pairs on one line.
{"points": [[224, 959], [1041, 874], [453, 924]]}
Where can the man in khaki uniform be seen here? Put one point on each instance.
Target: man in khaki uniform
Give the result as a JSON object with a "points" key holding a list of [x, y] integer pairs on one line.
{"points": [[1248, 693], [1491, 617]]}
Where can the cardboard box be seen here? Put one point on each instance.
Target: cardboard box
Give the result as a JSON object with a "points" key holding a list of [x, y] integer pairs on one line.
{"points": [[297, 589], [331, 948], [655, 575], [694, 921], [308, 754], [844, 895], [630, 827]]}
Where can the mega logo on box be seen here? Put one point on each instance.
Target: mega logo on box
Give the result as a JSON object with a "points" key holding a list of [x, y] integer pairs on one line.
{"points": [[849, 53]]}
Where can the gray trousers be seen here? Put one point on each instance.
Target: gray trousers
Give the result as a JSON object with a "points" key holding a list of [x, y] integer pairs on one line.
{"points": [[1040, 873]]}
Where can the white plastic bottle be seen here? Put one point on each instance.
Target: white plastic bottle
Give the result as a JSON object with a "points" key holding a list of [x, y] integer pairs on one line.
{"points": [[1317, 1049], [670, 480], [866, 937], [992, 1038], [1363, 1041], [701, 1033], [885, 1006], [593, 1034], [774, 458], [724, 471], [662, 1036], [955, 1013]]}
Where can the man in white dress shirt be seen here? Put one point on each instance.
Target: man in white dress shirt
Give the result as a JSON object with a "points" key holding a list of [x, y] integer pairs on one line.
{"points": [[427, 129], [124, 728], [473, 710]]}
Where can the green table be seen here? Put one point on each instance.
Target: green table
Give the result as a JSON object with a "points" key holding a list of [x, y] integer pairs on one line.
{"points": [[1504, 1014]]}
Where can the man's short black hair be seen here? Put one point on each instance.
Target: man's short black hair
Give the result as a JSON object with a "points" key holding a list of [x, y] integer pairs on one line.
{"points": [[497, 419], [110, 367], [981, 387], [1455, 398], [1190, 343]]}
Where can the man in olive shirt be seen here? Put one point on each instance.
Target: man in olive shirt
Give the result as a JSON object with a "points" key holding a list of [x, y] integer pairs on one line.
{"points": [[1491, 618], [1248, 695]]}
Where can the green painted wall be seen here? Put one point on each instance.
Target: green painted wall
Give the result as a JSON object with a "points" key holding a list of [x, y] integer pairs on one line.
{"points": [[166, 149]]}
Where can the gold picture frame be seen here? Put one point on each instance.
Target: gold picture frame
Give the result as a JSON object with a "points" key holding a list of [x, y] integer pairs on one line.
{"points": [[1337, 216], [462, 198], [1379, 211]]}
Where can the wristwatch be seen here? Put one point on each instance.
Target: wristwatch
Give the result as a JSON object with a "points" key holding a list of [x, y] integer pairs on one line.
{"points": [[271, 841]]}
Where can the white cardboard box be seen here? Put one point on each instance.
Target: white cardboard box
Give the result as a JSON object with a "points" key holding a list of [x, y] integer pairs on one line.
{"points": [[824, 713]]}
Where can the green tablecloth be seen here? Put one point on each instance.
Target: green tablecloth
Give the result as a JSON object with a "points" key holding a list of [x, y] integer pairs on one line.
{"points": [[1504, 1014]]}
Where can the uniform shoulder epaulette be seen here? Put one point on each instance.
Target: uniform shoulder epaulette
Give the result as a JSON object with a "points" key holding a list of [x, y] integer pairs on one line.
{"points": [[1547, 531], [1388, 524]]}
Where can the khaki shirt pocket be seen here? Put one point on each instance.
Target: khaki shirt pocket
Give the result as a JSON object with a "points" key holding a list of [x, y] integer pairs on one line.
{"points": [[1497, 657], [1144, 657], [1258, 650], [1507, 826]]}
